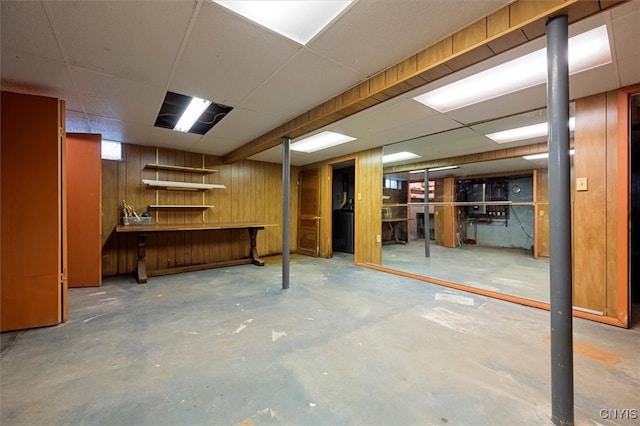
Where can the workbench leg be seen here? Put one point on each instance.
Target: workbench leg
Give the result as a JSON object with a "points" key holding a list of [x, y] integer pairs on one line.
{"points": [[255, 259], [141, 271]]}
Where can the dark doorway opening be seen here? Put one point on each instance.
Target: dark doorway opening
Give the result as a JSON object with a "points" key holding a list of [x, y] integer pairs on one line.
{"points": [[343, 206]]}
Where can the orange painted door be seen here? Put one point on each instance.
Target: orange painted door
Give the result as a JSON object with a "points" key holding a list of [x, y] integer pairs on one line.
{"points": [[84, 187], [308, 219], [32, 281]]}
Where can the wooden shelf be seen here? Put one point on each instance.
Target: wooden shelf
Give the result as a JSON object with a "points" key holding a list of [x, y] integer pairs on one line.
{"points": [[180, 186], [180, 168], [178, 206]]}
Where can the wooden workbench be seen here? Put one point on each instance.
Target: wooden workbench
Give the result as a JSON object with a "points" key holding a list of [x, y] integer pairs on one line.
{"points": [[143, 230]]}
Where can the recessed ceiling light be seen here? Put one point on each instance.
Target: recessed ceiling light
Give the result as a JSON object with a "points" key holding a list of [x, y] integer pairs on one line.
{"points": [[320, 141], [435, 169], [543, 155], [586, 51], [189, 114], [299, 20], [398, 156], [526, 132]]}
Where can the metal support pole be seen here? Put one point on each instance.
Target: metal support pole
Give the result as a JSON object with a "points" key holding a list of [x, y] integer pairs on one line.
{"points": [[562, 404], [285, 211], [427, 234]]}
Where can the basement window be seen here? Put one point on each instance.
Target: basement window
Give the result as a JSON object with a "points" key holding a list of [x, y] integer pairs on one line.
{"points": [[111, 150]]}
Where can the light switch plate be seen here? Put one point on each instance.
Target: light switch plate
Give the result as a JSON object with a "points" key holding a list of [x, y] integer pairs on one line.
{"points": [[581, 184]]}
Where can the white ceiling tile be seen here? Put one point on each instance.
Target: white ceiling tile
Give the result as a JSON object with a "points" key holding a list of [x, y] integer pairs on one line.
{"points": [[25, 27], [26, 73], [375, 34], [213, 145], [167, 138], [119, 131], [227, 57], [318, 78], [112, 97], [132, 40], [237, 127], [626, 34], [597, 80]]}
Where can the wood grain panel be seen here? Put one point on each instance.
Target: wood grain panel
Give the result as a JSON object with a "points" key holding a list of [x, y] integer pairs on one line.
{"points": [[368, 206], [84, 194], [449, 223], [253, 194], [470, 37], [498, 22], [31, 294], [612, 203], [590, 218], [523, 12], [541, 223]]}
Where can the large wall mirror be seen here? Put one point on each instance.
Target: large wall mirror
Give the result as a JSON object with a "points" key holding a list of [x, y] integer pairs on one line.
{"points": [[477, 218]]}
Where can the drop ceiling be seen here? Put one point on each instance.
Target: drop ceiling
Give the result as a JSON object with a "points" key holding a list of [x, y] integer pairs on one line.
{"points": [[113, 62]]}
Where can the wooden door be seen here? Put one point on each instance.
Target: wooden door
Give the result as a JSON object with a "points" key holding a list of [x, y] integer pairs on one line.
{"points": [[308, 219], [33, 277], [84, 171]]}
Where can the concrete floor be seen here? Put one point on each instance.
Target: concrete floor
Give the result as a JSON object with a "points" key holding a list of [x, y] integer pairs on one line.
{"points": [[343, 346], [508, 271]]}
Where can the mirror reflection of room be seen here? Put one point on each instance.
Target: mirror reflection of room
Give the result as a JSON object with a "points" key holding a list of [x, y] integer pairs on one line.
{"points": [[480, 224]]}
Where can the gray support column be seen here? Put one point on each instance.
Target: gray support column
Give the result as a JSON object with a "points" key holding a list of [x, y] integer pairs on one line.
{"points": [[562, 404], [286, 229], [427, 234]]}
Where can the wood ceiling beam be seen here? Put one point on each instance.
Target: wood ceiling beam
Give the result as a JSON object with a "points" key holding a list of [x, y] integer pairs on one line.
{"points": [[466, 47]]}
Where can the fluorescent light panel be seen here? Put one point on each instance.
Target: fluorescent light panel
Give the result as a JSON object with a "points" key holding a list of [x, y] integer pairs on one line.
{"points": [[299, 20], [435, 169], [526, 132], [190, 115], [320, 141], [586, 51], [543, 155], [398, 156]]}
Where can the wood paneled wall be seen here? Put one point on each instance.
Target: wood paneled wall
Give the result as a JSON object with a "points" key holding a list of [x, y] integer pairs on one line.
{"points": [[253, 194], [541, 212], [599, 249], [368, 205]]}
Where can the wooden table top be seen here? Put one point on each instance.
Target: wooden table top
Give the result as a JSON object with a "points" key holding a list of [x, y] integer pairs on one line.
{"points": [[191, 227]]}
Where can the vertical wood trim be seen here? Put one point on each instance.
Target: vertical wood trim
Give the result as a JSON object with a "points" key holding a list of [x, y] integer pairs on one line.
{"points": [[622, 209], [541, 194], [449, 213], [590, 221], [63, 284], [611, 259]]}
